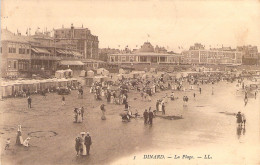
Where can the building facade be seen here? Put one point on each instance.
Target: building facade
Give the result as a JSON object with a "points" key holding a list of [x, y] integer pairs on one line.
{"points": [[79, 38], [250, 55], [199, 55], [145, 55], [22, 56]]}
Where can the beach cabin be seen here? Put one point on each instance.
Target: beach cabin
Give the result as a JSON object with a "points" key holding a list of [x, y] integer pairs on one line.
{"points": [[90, 73], [60, 74], [102, 71]]}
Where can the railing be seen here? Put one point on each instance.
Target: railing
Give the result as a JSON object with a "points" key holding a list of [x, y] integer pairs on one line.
{"points": [[45, 58]]}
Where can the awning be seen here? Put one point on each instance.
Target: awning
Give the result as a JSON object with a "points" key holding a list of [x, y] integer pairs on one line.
{"points": [[71, 63], [68, 52], [60, 51], [40, 50]]}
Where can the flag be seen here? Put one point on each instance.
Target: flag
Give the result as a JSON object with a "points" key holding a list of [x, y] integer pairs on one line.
{"points": [[179, 47], [148, 35], [118, 45], [27, 32], [136, 45]]}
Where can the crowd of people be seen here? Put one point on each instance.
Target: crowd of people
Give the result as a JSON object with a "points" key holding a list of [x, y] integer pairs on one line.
{"points": [[117, 93]]}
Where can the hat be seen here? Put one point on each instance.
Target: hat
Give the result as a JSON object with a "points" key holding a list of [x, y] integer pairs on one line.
{"points": [[82, 133], [28, 138], [87, 133]]}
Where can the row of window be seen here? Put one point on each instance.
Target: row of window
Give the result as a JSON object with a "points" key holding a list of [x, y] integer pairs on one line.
{"points": [[21, 50]]}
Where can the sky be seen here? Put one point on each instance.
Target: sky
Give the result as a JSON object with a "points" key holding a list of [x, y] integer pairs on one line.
{"points": [[171, 24]]}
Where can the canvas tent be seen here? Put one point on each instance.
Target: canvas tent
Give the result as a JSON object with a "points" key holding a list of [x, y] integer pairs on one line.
{"points": [[82, 73], [90, 73], [102, 71], [122, 71]]}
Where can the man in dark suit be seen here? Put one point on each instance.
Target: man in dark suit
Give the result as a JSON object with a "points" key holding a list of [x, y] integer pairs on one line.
{"points": [[29, 99], [150, 117], [88, 142], [163, 109], [145, 116]]}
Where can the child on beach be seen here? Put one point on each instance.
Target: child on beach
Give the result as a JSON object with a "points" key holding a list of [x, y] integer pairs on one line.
{"points": [[7, 143]]}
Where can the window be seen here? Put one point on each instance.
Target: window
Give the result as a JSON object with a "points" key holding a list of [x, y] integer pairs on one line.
{"points": [[123, 58], [14, 64], [21, 50], [12, 50]]}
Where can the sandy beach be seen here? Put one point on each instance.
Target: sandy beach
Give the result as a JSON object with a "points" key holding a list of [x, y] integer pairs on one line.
{"points": [[208, 128]]}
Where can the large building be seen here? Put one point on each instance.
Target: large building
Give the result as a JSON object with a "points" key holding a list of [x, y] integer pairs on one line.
{"points": [[199, 55], [79, 38], [147, 54], [250, 54], [22, 56]]}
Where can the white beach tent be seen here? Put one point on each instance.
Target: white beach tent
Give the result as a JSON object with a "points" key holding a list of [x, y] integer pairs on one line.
{"points": [[102, 71], [90, 73]]}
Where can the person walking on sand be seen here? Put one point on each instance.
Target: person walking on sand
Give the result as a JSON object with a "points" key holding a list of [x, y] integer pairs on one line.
{"points": [[102, 108], [29, 100], [88, 142], [78, 145], [145, 116], [239, 119], [76, 115], [63, 100], [82, 112], [19, 138], [246, 101], [150, 115], [244, 118], [163, 109]]}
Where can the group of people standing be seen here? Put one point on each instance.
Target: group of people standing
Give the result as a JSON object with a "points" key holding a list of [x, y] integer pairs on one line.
{"points": [[83, 143], [185, 100], [78, 115], [241, 119], [148, 117]]}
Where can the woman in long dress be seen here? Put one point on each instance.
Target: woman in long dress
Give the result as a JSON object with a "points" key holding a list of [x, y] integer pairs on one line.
{"points": [[83, 147], [160, 106], [112, 99], [19, 138], [79, 115]]}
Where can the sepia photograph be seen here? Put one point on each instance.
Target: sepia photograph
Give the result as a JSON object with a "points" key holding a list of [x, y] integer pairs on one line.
{"points": [[130, 82]]}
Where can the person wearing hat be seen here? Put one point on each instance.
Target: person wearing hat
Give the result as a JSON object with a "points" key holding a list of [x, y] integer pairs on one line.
{"points": [[145, 116], [163, 108], [102, 108], [239, 119], [29, 100], [19, 138], [88, 142], [82, 147], [26, 142], [7, 144], [78, 145], [150, 115]]}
